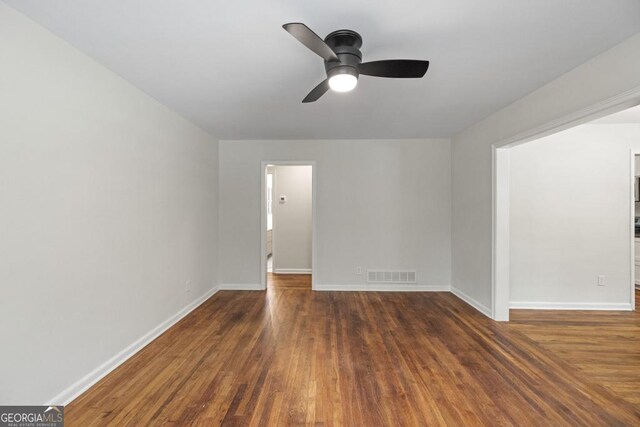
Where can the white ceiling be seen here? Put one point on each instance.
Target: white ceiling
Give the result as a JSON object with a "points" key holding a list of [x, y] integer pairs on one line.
{"points": [[231, 68]]}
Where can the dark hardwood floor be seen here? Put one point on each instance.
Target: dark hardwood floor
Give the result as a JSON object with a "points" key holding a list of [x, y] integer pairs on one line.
{"points": [[290, 356]]}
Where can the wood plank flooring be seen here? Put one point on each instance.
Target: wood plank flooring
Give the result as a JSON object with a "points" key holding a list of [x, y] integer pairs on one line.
{"points": [[604, 345], [290, 356], [289, 281]]}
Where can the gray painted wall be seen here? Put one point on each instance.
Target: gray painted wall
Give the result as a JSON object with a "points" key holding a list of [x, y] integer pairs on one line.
{"points": [[108, 205], [380, 204]]}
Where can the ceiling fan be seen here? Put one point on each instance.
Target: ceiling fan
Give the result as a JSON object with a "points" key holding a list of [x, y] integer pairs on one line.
{"points": [[343, 60]]}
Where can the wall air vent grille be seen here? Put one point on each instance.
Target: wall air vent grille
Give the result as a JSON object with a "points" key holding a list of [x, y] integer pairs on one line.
{"points": [[391, 276]]}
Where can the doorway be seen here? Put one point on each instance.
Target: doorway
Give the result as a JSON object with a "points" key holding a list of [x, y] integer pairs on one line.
{"points": [[288, 224], [572, 221]]}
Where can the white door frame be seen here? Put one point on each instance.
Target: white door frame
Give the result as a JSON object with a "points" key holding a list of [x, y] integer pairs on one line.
{"points": [[632, 227], [500, 285], [263, 216]]}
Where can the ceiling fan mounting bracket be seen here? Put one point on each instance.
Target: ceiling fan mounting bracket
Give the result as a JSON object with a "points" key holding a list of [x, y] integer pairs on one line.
{"points": [[343, 38]]}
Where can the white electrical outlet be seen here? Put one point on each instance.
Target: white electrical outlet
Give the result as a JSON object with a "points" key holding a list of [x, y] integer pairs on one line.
{"points": [[358, 270], [601, 280], [187, 286]]}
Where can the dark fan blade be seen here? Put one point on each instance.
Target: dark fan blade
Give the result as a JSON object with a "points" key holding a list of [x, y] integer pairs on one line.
{"points": [[310, 40], [317, 92], [398, 68]]}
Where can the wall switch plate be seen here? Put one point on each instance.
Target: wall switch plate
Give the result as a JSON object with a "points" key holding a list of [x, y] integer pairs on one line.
{"points": [[358, 270], [601, 280], [187, 286]]}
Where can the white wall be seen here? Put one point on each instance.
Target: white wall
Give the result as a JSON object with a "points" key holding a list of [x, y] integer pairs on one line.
{"points": [[108, 204], [605, 76], [292, 219], [380, 204], [570, 218]]}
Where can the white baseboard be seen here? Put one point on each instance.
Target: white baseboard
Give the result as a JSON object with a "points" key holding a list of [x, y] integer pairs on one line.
{"points": [[84, 383], [241, 287], [472, 302], [383, 287], [622, 306], [292, 271]]}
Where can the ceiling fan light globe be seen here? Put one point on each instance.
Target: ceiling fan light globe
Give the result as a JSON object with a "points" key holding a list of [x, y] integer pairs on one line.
{"points": [[343, 82]]}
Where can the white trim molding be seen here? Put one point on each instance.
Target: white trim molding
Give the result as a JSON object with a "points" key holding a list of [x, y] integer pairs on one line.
{"points": [[472, 302], [614, 104], [632, 227], [84, 383], [241, 287], [292, 271], [611, 306], [383, 287]]}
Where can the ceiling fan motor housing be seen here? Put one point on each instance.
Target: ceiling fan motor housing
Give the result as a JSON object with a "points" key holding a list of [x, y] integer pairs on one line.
{"points": [[346, 44]]}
